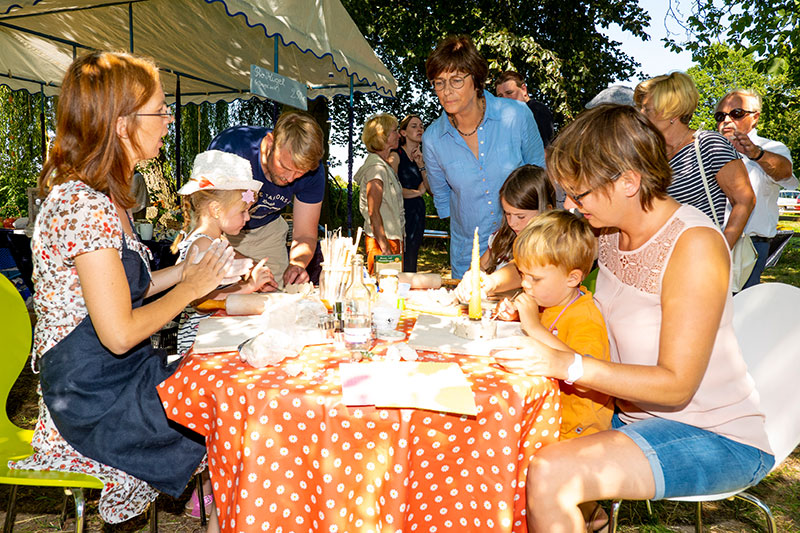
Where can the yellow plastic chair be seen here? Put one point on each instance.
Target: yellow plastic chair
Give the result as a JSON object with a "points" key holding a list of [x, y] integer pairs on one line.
{"points": [[15, 442]]}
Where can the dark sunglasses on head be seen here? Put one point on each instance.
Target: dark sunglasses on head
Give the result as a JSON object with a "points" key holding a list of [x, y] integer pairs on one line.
{"points": [[735, 114]]}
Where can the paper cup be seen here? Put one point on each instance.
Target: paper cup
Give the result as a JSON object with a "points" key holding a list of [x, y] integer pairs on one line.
{"points": [[145, 231]]}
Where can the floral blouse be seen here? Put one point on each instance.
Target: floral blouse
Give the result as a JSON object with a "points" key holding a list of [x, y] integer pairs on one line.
{"points": [[75, 219]]}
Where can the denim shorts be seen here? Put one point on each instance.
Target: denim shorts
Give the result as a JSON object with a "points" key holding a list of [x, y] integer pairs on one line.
{"points": [[689, 461]]}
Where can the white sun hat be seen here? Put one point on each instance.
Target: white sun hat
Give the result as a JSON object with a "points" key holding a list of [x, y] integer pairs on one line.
{"points": [[216, 170]]}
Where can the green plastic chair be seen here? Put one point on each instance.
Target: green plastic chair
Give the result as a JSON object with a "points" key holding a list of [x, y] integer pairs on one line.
{"points": [[15, 442]]}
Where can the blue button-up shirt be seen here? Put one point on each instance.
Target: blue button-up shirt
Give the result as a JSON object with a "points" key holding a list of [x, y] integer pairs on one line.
{"points": [[465, 188]]}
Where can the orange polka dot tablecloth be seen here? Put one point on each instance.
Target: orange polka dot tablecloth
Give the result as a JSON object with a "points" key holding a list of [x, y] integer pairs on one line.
{"points": [[286, 455]]}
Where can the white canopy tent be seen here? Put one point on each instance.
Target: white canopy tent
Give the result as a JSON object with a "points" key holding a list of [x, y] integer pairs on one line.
{"points": [[209, 44], [204, 48]]}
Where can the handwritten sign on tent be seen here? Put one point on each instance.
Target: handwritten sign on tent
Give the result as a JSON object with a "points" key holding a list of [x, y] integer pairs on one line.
{"points": [[276, 87]]}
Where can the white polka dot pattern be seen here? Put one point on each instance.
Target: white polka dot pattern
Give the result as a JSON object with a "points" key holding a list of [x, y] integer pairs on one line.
{"points": [[286, 455]]}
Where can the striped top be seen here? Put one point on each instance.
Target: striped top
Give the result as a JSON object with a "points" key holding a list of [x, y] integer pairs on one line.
{"points": [[687, 184], [189, 317]]}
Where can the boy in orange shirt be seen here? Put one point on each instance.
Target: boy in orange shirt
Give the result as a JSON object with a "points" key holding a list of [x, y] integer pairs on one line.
{"points": [[554, 253]]}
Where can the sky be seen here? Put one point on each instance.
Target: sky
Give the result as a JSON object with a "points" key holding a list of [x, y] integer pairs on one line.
{"points": [[653, 56]]}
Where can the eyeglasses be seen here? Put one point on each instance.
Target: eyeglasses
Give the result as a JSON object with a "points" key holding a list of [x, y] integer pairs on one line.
{"points": [[166, 113], [735, 114], [456, 82], [577, 197]]}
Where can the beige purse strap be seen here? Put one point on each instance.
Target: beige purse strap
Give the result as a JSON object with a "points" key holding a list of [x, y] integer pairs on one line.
{"points": [[703, 175]]}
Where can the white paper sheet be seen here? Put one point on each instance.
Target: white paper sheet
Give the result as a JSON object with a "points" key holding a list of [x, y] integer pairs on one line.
{"points": [[434, 333], [225, 334], [420, 385]]}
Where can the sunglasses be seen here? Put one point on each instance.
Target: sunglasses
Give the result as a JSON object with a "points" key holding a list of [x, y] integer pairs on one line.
{"points": [[735, 114]]}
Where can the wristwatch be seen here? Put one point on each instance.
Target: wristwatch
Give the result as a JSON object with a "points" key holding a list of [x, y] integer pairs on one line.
{"points": [[575, 370]]}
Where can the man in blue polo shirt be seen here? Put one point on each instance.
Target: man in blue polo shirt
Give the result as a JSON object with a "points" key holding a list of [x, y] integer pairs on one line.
{"points": [[287, 160]]}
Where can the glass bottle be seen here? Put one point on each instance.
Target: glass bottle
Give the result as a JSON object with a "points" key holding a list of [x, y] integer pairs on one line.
{"points": [[357, 309]]}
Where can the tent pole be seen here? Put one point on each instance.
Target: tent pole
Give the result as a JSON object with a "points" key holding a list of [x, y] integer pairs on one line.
{"points": [[275, 68], [130, 27], [44, 127], [178, 131], [350, 165]]}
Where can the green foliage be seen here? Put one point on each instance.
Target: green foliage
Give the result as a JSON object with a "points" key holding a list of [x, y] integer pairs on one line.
{"points": [[20, 146], [554, 44], [721, 69], [766, 29]]}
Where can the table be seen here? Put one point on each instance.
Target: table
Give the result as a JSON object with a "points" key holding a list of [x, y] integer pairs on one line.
{"points": [[286, 455]]}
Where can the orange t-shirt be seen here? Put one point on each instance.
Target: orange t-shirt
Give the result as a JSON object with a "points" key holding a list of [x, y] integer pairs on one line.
{"points": [[583, 329]]}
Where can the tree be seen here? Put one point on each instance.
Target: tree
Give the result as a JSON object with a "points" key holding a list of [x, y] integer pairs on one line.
{"points": [[721, 68], [21, 146], [766, 29], [554, 44]]}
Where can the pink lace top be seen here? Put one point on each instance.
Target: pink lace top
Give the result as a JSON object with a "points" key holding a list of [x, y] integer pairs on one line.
{"points": [[629, 296]]}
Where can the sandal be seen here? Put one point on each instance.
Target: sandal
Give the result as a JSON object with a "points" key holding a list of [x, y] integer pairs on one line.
{"points": [[598, 520], [192, 507]]}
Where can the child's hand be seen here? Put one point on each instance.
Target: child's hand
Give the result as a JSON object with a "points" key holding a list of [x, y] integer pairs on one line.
{"points": [[528, 310], [464, 287], [505, 310], [261, 279]]}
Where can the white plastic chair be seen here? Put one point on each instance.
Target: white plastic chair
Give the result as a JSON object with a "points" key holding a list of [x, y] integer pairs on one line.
{"points": [[765, 323]]}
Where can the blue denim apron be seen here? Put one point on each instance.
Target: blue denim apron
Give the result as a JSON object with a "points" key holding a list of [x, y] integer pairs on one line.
{"points": [[106, 405]]}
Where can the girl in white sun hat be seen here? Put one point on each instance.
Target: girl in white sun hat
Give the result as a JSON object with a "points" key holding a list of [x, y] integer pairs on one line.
{"points": [[216, 200]]}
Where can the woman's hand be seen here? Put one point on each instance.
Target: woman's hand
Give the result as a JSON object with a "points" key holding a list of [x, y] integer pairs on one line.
{"points": [[464, 287], [526, 355], [416, 157], [205, 275], [383, 244]]}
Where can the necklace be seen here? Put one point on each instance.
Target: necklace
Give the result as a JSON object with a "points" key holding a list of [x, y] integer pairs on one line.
{"points": [[553, 325], [679, 145], [483, 112]]}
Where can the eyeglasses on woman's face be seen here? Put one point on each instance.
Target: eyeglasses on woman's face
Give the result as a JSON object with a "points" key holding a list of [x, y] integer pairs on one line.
{"points": [[736, 114], [576, 198], [164, 112], [456, 82]]}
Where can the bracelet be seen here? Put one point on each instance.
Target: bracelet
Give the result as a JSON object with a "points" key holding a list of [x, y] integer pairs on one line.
{"points": [[759, 156], [575, 370], [422, 169]]}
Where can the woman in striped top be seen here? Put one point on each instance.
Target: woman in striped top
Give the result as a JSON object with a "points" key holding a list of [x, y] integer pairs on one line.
{"points": [[669, 102]]}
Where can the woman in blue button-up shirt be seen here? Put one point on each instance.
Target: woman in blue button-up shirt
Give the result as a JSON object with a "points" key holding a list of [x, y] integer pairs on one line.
{"points": [[473, 146]]}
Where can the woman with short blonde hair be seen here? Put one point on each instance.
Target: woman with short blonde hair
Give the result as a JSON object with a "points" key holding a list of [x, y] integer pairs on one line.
{"points": [[669, 102], [380, 197]]}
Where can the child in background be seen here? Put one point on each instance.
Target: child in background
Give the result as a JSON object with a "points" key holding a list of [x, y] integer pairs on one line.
{"points": [[216, 200], [525, 193], [554, 253]]}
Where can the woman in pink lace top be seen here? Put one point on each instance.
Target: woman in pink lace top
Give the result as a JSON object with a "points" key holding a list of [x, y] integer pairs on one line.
{"points": [[687, 419]]}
